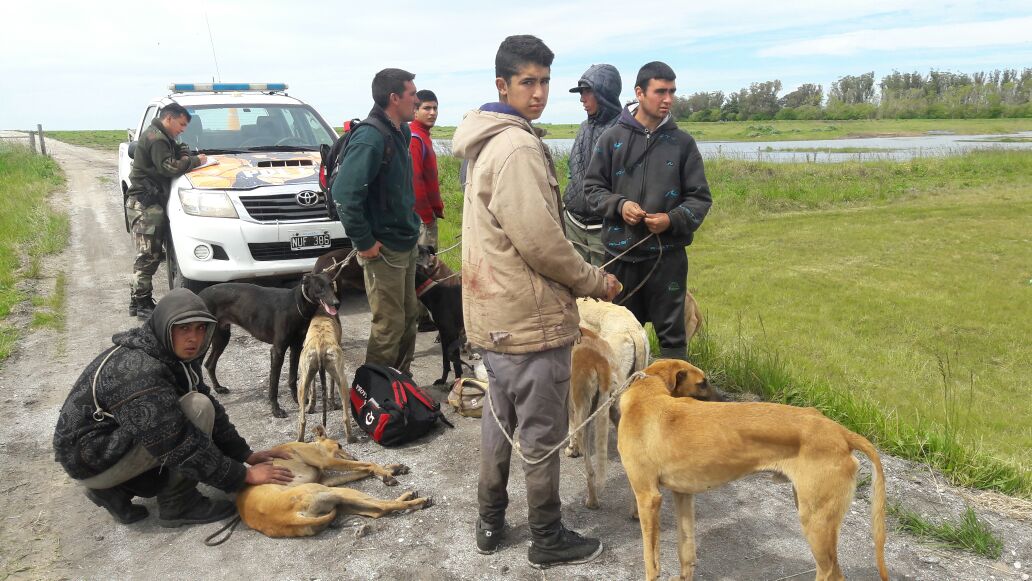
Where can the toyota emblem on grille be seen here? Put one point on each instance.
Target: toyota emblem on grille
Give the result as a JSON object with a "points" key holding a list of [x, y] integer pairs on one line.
{"points": [[307, 198]]}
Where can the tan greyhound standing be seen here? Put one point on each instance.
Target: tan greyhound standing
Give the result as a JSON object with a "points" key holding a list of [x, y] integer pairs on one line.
{"points": [[322, 354], [668, 438]]}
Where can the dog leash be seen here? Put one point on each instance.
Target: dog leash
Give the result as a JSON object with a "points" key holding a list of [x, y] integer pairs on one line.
{"points": [[605, 406], [211, 541], [98, 413]]}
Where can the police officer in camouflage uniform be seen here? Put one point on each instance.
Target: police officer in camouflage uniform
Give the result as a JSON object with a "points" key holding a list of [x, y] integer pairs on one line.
{"points": [[157, 160]]}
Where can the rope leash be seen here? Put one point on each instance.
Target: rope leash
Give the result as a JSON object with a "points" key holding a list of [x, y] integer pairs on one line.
{"points": [[211, 541], [605, 406]]}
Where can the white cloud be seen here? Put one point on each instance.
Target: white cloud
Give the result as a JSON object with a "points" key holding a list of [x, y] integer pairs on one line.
{"points": [[1012, 31]]}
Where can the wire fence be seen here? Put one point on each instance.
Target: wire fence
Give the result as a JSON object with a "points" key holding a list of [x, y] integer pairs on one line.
{"points": [[30, 137]]}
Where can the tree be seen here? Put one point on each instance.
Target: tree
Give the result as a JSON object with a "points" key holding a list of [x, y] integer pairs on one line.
{"points": [[808, 94], [852, 90]]}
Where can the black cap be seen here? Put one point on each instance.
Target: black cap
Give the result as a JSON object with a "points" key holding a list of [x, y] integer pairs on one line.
{"points": [[581, 85]]}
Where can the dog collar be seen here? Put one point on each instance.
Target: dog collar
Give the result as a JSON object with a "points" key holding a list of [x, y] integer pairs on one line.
{"points": [[421, 289]]}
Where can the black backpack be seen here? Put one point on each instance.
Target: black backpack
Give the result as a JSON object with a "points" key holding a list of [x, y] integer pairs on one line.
{"points": [[390, 407], [331, 156]]}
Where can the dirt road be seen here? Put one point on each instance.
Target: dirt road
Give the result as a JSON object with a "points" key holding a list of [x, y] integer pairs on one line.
{"points": [[748, 530]]}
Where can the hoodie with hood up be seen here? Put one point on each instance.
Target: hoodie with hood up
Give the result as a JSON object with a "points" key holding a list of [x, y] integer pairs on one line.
{"points": [[520, 275], [140, 386], [604, 81]]}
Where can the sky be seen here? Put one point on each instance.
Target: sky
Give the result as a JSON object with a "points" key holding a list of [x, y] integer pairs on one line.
{"points": [[95, 65]]}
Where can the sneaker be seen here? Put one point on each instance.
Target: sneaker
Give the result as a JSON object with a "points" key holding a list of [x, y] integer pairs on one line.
{"points": [[563, 548], [488, 538], [118, 505]]}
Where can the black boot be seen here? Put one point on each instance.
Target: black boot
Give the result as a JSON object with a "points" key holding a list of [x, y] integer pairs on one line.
{"points": [[117, 502], [562, 547], [144, 306], [182, 504], [132, 303]]}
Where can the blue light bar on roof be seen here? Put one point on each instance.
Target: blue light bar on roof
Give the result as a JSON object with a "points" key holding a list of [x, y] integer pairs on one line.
{"points": [[218, 87]]}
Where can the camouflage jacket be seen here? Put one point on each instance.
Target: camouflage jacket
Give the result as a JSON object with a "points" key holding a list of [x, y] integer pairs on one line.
{"points": [[158, 159]]}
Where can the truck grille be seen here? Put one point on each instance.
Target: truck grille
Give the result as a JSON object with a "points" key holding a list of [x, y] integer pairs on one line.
{"points": [[284, 207], [281, 250]]}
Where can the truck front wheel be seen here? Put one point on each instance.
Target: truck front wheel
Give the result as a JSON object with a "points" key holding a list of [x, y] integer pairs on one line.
{"points": [[175, 276]]}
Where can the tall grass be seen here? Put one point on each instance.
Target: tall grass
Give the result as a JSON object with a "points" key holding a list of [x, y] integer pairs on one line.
{"points": [[969, 533], [29, 228]]}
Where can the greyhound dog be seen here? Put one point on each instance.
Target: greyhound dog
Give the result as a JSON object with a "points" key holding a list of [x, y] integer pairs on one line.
{"points": [[345, 272], [668, 438], [322, 354], [592, 379], [310, 502], [276, 316], [445, 305]]}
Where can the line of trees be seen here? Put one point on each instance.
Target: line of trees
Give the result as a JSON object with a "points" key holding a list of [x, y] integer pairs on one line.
{"points": [[937, 95]]}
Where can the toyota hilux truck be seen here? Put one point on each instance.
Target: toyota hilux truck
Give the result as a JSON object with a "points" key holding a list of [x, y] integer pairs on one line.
{"points": [[255, 212]]}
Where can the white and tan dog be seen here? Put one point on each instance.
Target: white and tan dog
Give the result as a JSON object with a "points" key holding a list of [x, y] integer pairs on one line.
{"points": [[322, 354], [312, 500], [617, 326], [592, 378], [667, 438]]}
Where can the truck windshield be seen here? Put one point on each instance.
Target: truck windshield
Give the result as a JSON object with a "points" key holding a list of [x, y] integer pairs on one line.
{"points": [[255, 127]]}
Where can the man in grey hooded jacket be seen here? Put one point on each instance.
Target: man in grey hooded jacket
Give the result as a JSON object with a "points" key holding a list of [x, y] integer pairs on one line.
{"points": [[140, 422], [599, 89]]}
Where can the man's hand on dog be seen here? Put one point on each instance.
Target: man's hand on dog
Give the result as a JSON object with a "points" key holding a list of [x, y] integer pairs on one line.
{"points": [[268, 473], [371, 252], [267, 456]]}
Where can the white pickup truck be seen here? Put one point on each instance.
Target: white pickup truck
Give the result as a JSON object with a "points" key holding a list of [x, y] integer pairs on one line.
{"points": [[258, 213]]}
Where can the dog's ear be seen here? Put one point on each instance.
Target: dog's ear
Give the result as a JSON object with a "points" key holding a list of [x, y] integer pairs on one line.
{"points": [[320, 433]]}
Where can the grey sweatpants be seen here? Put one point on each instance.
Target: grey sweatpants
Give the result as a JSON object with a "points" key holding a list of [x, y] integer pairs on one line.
{"points": [[530, 391]]}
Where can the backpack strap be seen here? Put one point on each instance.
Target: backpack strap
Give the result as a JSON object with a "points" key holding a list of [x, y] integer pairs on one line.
{"points": [[388, 155]]}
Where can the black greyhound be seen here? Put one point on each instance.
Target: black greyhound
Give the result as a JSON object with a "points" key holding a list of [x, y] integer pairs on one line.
{"points": [[445, 305], [276, 316]]}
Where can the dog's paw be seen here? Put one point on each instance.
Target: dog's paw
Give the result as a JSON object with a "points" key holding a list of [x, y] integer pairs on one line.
{"points": [[428, 502], [572, 452], [390, 481], [440, 382], [408, 495], [278, 412], [398, 469], [337, 405], [352, 439], [591, 503], [221, 389]]}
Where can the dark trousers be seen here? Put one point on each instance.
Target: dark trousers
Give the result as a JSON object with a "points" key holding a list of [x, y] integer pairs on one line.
{"points": [[530, 391], [661, 299]]}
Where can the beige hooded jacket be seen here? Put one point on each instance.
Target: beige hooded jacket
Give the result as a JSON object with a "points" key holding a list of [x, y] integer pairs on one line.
{"points": [[520, 275]]}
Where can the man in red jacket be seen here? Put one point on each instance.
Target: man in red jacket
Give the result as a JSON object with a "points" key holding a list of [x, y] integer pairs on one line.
{"points": [[429, 205]]}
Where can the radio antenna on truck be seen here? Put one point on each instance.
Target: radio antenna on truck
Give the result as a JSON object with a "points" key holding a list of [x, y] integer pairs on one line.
{"points": [[212, 41]]}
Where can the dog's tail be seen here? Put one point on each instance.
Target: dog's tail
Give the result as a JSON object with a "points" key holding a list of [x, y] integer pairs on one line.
{"points": [[641, 350], [858, 442]]}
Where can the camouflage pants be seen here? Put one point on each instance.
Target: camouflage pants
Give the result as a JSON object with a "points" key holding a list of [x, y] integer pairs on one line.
{"points": [[147, 225]]}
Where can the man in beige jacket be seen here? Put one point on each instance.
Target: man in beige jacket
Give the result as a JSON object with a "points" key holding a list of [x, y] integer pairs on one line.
{"points": [[520, 278]]}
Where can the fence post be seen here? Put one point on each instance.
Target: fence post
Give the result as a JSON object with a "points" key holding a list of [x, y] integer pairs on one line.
{"points": [[32, 140], [42, 144]]}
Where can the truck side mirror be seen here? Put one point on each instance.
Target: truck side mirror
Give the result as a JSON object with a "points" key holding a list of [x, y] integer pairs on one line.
{"points": [[132, 149]]}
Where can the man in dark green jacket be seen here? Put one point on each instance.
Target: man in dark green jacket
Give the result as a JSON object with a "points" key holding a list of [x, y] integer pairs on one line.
{"points": [[646, 181], [157, 160], [376, 204], [140, 422]]}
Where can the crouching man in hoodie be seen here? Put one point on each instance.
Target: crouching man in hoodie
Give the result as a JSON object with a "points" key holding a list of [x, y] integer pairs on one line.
{"points": [[520, 277], [140, 422]]}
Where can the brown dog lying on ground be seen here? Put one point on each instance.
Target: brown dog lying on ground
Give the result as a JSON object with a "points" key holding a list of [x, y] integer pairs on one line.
{"points": [[309, 504], [667, 438], [593, 378], [322, 354]]}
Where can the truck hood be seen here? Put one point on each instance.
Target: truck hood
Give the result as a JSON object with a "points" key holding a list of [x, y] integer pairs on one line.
{"points": [[247, 171]]}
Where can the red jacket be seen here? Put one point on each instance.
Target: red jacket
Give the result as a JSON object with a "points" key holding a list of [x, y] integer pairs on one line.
{"points": [[424, 174]]}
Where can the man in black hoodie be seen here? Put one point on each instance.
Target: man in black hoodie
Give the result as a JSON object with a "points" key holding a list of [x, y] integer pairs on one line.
{"points": [[599, 89], [140, 422], [647, 183]]}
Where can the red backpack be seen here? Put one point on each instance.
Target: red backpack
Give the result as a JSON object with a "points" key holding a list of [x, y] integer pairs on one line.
{"points": [[389, 406]]}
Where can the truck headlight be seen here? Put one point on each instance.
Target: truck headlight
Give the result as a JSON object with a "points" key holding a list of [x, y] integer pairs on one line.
{"points": [[207, 203]]}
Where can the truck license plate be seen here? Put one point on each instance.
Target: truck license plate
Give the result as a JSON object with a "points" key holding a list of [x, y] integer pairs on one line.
{"points": [[310, 240]]}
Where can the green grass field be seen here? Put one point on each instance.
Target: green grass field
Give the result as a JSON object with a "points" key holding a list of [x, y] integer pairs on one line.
{"points": [[107, 140], [803, 130], [29, 229]]}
